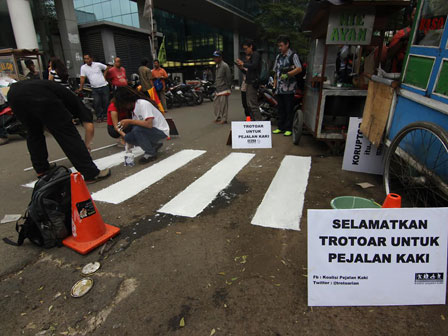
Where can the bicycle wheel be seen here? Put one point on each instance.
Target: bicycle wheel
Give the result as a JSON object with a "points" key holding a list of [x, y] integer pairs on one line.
{"points": [[416, 166]]}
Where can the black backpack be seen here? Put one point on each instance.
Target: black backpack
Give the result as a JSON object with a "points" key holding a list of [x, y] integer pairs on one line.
{"points": [[300, 77], [47, 220]]}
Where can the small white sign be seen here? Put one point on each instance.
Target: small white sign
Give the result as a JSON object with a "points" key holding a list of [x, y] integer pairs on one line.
{"points": [[73, 38], [360, 155], [251, 134], [370, 257]]}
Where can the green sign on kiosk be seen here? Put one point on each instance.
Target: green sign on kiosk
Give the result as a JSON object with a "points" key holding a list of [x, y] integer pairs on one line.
{"points": [[350, 27]]}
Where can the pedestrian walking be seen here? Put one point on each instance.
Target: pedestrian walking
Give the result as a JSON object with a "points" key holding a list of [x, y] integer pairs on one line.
{"points": [[148, 126], [145, 75], [253, 66], [43, 105], [116, 75], [286, 66], [159, 77], [223, 82], [93, 71], [57, 72]]}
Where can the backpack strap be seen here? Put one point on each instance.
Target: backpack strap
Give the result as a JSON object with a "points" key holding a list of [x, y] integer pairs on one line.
{"points": [[21, 230]]}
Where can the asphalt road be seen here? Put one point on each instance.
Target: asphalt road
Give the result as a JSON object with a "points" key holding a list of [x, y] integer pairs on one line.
{"points": [[211, 274]]}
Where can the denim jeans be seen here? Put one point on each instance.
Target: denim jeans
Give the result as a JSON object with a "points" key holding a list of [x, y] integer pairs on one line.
{"points": [[145, 137], [100, 101]]}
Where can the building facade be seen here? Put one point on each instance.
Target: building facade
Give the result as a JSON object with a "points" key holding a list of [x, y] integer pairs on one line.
{"points": [[109, 28]]}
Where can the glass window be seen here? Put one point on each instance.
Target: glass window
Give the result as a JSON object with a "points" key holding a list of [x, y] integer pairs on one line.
{"points": [[88, 9], [107, 10], [135, 20], [442, 82], [127, 19], [115, 7], [98, 11], [432, 22], [124, 6], [418, 71], [117, 19]]}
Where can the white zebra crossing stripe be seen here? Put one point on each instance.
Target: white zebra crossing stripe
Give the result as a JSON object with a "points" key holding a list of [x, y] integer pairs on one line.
{"points": [[195, 198], [65, 158], [103, 163], [132, 185], [282, 204]]}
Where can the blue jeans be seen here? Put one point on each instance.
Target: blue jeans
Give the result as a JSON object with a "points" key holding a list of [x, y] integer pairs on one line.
{"points": [[100, 101], [146, 138]]}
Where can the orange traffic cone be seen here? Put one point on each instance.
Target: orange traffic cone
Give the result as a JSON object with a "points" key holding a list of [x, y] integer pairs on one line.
{"points": [[88, 228], [248, 118], [392, 201]]}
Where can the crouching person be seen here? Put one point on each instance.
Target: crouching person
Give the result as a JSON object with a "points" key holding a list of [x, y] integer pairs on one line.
{"points": [[147, 128]]}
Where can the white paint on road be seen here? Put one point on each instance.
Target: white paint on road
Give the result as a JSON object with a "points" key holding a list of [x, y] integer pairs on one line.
{"points": [[65, 158], [195, 198], [103, 163], [132, 185], [282, 204]]}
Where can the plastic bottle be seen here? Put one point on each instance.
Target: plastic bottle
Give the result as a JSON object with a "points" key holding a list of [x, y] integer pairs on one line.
{"points": [[129, 157]]}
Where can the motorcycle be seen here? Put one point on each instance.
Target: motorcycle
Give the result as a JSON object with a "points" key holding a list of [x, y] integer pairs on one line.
{"points": [[208, 89], [267, 103], [10, 123], [179, 94]]}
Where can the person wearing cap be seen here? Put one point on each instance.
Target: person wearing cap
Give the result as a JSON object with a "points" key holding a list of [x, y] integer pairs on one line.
{"points": [[223, 82]]}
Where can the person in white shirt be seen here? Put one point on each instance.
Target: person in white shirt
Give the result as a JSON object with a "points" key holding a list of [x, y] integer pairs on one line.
{"points": [[93, 71], [148, 126]]}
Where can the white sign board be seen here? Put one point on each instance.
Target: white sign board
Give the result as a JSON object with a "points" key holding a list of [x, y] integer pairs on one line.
{"points": [[369, 257], [251, 134], [360, 155], [350, 26]]}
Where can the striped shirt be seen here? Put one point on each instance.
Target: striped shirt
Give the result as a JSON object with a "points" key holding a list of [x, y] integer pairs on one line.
{"points": [[58, 79]]}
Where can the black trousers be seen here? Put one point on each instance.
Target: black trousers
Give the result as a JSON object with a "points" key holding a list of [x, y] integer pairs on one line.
{"points": [[285, 111], [59, 123], [244, 102]]}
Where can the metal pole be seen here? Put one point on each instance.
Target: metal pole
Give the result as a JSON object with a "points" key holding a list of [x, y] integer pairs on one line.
{"points": [[151, 20]]}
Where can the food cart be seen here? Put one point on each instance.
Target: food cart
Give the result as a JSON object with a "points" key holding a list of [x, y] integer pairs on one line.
{"points": [[416, 164], [11, 62], [333, 96]]}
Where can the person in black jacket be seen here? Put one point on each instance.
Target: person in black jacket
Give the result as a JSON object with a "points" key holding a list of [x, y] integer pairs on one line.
{"points": [[253, 66], [42, 104]]}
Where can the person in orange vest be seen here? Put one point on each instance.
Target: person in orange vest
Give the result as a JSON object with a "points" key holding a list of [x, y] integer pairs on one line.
{"points": [[159, 77]]}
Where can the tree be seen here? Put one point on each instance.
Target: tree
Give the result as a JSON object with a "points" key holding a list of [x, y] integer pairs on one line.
{"points": [[283, 17]]}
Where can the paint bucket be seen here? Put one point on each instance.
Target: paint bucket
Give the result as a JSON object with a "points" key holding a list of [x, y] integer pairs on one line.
{"points": [[353, 202]]}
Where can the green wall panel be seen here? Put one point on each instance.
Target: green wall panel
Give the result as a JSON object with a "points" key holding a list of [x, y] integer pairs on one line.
{"points": [[418, 71], [442, 83]]}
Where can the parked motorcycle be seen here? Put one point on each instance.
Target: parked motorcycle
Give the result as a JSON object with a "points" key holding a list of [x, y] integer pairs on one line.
{"points": [[10, 123], [267, 103], [269, 109], [208, 89], [179, 94]]}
